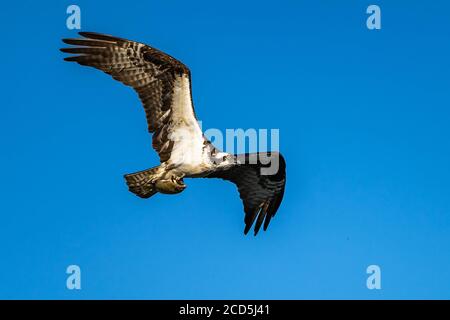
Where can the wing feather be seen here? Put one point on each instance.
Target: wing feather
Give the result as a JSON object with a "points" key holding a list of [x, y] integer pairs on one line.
{"points": [[261, 194], [153, 74]]}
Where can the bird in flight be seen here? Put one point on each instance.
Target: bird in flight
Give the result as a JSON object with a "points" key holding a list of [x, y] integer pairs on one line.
{"points": [[163, 85]]}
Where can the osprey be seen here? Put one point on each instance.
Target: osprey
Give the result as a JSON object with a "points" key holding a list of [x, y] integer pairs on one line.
{"points": [[164, 88]]}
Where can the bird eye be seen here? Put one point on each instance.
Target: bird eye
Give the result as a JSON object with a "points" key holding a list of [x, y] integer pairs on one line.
{"points": [[224, 158]]}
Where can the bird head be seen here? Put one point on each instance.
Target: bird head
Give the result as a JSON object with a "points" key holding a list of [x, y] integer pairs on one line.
{"points": [[223, 159]]}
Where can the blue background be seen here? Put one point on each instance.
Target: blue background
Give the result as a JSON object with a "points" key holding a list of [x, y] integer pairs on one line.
{"points": [[364, 126]]}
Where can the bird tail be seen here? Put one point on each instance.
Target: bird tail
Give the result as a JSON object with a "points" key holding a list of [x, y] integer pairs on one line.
{"points": [[140, 183]]}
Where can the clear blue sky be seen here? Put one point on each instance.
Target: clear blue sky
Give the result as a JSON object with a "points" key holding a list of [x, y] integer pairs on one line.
{"points": [[364, 126]]}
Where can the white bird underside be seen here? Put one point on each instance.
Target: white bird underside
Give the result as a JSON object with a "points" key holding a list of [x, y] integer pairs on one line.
{"points": [[188, 153]]}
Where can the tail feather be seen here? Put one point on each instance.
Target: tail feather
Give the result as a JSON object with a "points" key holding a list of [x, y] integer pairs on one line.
{"points": [[140, 182]]}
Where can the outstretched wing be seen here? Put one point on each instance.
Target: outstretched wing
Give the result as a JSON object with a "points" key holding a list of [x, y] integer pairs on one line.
{"points": [[162, 83], [260, 178]]}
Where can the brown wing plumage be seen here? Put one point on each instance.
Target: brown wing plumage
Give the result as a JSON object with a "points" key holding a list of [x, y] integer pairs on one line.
{"points": [[261, 194], [150, 72]]}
